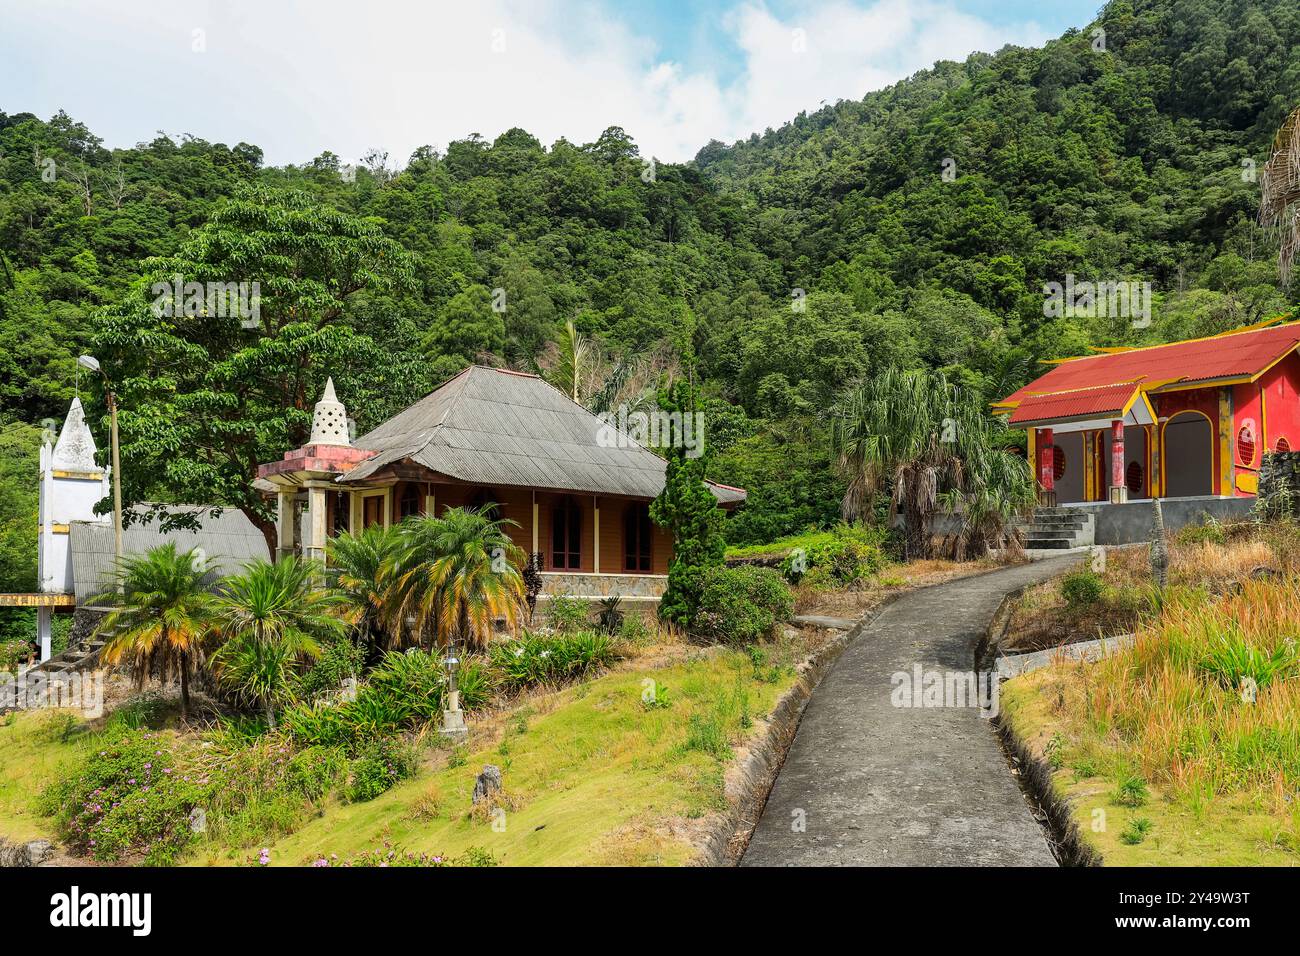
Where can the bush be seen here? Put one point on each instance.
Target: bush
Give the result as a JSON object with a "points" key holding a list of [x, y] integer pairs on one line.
{"points": [[839, 558], [1232, 662], [13, 654], [132, 797], [391, 856], [338, 661], [1081, 590], [1211, 532], [742, 605], [534, 659], [378, 767], [565, 614]]}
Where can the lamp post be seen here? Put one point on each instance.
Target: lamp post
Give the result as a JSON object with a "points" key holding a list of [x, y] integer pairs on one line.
{"points": [[453, 720], [92, 363]]}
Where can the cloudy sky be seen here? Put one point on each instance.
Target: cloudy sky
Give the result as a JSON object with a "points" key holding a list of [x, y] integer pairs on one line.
{"points": [[298, 77]]}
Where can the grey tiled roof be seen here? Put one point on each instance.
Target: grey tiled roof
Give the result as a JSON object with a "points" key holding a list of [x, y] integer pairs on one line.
{"points": [[496, 427], [229, 540]]}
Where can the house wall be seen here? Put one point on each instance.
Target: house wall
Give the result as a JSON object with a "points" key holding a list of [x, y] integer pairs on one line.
{"points": [[516, 504], [1270, 408]]}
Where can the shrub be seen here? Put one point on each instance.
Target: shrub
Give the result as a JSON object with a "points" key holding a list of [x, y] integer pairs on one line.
{"points": [[565, 614], [391, 856], [378, 767], [339, 660], [839, 558], [1131, 791], [742, 605], [610, 617], [1136, 831], [132, 797], [1212, 532], [13, 654], [535, 659], [1232, 661], [1081, 590]]}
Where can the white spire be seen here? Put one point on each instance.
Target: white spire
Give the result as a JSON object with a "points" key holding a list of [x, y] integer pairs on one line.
{"points": [[329, 424], [75, 449]]}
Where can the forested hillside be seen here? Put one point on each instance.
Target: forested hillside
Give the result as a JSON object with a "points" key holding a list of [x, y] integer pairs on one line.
{"points": [[915, 227]]}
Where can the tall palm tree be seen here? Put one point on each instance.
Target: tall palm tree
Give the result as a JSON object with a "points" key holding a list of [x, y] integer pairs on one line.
{"points": [[270, 619], [160, 613], [1280, 188], [355, 563], [918, 436], [455, 577]]}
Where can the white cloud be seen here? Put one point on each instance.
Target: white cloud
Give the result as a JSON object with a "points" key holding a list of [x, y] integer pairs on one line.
{"points": [[298, 78]]}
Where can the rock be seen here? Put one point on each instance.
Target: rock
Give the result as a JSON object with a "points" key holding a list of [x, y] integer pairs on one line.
{"points": [[25, 854], [487, 784], [1264, 573]]}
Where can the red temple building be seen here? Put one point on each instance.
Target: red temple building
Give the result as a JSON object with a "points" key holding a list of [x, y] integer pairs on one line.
{"points": [[1183, 420]]}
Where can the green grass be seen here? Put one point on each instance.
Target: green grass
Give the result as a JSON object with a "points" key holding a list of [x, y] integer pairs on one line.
{"points": [[591, 774], [1148, 825], [783, 546]]}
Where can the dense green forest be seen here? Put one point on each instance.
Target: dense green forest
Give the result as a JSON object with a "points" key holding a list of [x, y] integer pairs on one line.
{"points": [[912, 228]]}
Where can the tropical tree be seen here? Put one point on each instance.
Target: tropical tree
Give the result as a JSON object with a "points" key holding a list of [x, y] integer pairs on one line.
{"points": [[1281, 191], [689, 511], [454, 577], [355, 564], [270, 620], [161, 611], [919, 437]]}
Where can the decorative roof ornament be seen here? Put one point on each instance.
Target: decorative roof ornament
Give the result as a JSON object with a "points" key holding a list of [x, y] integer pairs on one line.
{"points": [[329, 423], [75, 448]]}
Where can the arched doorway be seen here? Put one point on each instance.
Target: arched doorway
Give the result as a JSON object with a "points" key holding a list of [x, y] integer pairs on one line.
{"points": [[1189, 455]]}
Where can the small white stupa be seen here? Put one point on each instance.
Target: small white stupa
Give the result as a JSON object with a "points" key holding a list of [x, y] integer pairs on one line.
{"points": [[329, 423], [71, 484]]}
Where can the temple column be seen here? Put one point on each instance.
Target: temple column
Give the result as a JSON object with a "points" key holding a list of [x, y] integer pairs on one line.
{"points": [[284, 522], [1046, 468], [44, 630], [1118, 488], [313, 545]]}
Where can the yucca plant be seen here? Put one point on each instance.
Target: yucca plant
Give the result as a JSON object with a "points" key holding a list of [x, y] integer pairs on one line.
{"points": [[930, 445], [161, 612], [270, 619]]}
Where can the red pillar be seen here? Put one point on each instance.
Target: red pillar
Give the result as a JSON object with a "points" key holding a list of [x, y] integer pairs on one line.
{"points": [[1047, 466], [1118, 489]]}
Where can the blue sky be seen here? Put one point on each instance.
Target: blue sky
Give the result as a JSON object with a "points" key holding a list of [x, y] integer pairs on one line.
{"points": [[298, 77]]}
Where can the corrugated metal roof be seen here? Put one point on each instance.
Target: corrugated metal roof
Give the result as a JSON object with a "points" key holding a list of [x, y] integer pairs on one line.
{"points": [[1089, 402], [1226, 356], [230, 540], [496, 427]]}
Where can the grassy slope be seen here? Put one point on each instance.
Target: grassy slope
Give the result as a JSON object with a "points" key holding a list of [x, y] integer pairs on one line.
{"points": [[598, 779], [593, 776], [1224, 830]]}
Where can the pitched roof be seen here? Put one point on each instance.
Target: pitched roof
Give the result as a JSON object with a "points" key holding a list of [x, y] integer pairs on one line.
{"points": [[496, 427], [230, 540], [1242, 354], [1109, 400]]}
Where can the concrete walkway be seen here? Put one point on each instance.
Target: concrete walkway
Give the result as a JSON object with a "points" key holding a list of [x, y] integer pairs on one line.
{"points": [[873, 784]]}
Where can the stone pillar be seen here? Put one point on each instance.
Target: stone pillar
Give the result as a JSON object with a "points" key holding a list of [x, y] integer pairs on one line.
{"points": [[1118, 488], [313, 545], [1046, 468], [286, 505], [44, 630]]}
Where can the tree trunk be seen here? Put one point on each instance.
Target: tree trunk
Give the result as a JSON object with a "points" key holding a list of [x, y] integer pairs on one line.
{"points": [[185, 685], [268, 529]]}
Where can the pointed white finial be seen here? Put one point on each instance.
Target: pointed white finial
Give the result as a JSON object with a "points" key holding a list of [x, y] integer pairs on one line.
{"points": [[75, 449], [329, 423]]}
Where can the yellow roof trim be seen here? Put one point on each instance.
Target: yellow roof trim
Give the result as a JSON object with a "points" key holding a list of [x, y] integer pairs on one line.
{"points": [[1269, 367]]}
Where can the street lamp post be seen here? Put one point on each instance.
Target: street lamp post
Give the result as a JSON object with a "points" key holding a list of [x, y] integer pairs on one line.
{"points": [[92, 363]]}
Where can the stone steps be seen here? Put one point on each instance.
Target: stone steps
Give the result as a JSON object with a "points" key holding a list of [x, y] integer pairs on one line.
{"points": [[1059, 529]]}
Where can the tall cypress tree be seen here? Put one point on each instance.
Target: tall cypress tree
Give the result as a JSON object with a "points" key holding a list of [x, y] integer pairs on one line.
{"points": [[688, 509]]}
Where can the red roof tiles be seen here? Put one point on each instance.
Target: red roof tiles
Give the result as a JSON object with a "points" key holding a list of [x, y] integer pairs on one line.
{"points": [[1110, 400], [1240, 354]]}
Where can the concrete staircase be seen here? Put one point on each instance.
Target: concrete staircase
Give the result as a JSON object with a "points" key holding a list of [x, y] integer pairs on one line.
{"points": [[1060, 529]]}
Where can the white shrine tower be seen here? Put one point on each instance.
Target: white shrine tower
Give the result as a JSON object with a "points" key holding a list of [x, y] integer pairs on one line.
{"points": [[71, 484]]}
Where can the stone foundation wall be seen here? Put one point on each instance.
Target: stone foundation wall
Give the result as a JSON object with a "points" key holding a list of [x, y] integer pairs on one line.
{"points": [[639, 586], [1279, 484]]}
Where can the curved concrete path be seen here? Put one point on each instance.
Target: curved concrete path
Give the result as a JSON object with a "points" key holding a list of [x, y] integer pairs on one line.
{"points": [[873, 784]]}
